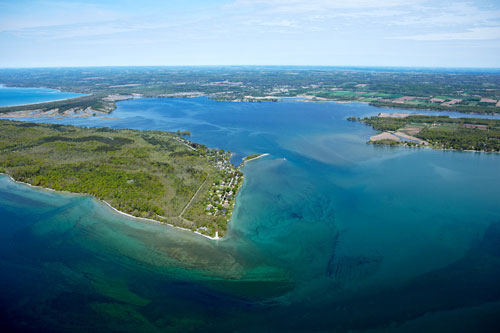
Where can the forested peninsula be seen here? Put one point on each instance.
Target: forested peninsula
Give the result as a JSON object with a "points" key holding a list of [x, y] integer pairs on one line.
{"points": [[149, 174]]}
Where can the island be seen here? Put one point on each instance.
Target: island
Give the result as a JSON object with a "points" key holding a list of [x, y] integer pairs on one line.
{"points": [[438, 132], [153, 175]]}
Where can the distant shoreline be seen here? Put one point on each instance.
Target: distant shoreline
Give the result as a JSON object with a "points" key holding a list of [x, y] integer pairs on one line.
{"points": [[420, 130], [39, 113], [3, 86], [53, 100]]}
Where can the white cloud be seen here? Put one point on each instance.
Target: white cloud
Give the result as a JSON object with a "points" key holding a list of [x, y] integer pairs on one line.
{"points": [[455, 15], [485, 33], [256, 31], [316, 5], [278, 23], [53, 13]]}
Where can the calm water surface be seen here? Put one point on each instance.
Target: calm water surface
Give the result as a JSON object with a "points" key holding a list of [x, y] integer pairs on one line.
{"points": [[10, 96], [329, 233]]}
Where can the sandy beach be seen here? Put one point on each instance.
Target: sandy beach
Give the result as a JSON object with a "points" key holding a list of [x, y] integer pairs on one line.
{"points": [[384, 136], [55, 100]]}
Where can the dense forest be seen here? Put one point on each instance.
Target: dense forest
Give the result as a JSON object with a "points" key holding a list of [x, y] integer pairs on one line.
{"points": [[150, 174]]}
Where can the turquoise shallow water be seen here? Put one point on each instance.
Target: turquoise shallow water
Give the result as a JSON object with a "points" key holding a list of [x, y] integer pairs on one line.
{"points": [[328, 233], [10, 96]]}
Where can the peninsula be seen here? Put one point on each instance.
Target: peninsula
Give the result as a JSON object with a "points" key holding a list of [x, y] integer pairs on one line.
{"points": [[155, 175], [438, 132]]}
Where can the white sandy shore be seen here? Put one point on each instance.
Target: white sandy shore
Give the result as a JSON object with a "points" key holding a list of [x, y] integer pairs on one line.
{"points": [[409, 137], [158, 222], [384, 136], [53, 100], [113, 208]]}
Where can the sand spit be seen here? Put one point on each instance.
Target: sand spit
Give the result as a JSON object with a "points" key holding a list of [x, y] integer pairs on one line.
{"points": [[384, 136], [409, 137]]}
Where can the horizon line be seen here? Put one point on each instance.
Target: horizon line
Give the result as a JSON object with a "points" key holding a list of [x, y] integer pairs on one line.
{"points": [[222, 66]]}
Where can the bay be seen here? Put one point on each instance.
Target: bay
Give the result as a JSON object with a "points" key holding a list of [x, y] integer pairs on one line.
{"points": [[328, 233], [11, 96]]}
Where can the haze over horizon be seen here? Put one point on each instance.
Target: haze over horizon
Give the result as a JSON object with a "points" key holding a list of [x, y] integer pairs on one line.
{"points": [[398, 33]]}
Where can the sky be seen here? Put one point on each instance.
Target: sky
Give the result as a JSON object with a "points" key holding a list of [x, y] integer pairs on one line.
{"points": [[410, 33]]}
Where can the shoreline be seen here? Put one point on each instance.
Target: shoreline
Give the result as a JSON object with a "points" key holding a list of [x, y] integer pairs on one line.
{"points": [[28, 104], [299, 98], [429, 146], [154, 221], [2, 85], [432, 110], [109, 205]]}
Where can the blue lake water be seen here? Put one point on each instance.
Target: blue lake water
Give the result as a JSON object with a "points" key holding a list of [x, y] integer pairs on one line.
{"points": [[10, 96], [328, 233]]}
